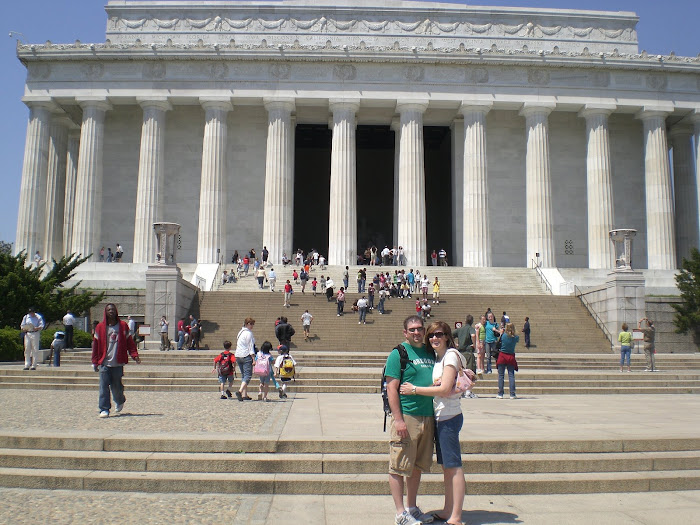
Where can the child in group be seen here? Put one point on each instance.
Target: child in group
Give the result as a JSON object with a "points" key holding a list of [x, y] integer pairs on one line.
{"points": [[314, 284], [264, 362], [295, 275], [58, 344], [225, 366], [285, 368]]}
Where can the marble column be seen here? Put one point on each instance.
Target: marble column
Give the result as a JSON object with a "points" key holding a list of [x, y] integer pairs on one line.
{"points": [[695, 119], [394, 241], [211, 234], [56, 187], [278, 214], [455, 257], [342, 221], [685, 190], [72, 151], [87, 219], [538, 185], [661, 234], [411, 231], [32, 195], [150, 181], [599, 186], [476, 233]]}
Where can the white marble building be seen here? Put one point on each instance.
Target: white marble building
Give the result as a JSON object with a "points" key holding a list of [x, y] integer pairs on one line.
{"points": [[496, 133]]}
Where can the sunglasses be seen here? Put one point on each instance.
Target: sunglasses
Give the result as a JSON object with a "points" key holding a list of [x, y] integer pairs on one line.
{"points": [[417, 329], [436, 334]]}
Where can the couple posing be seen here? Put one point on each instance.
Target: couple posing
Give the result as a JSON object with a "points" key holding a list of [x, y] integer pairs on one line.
{"points": [[425, 410]]}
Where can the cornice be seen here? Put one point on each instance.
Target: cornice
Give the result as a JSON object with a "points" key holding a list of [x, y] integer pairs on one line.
{"points": [[393, 54]]}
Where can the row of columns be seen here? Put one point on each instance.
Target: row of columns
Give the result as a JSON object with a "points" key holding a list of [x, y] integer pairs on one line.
{"points": [[61, 191]]}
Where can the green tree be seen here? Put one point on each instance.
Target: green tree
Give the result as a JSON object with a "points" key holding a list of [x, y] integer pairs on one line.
{"points": [[688, 281], [22, 286], [5, 247]]}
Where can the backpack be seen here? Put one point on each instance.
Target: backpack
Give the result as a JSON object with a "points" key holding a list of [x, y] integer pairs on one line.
{"points": [[262, 367], [287, 369], [403, 356], [225, 366]]}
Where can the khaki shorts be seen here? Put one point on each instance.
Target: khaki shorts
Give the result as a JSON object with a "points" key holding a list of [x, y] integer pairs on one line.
{"points": [[415, 451]]}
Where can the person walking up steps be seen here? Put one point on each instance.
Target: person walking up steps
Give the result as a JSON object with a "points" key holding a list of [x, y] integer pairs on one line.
{"points": [[224, 365], [285, 368], [306, 319]]}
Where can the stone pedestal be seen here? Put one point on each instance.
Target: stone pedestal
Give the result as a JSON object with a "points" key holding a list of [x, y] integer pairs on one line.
{"points": [[626, 300], [166, 292]]}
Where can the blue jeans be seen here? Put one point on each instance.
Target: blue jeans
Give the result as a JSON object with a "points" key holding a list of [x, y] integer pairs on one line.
{"points": [[245, 365], [447, 448], [111, 378], [487, 356], [371, 301], [380, 306], [363, 314], [340, 305], [180, 339], [345, 283], [511, 378], [625, 353]]}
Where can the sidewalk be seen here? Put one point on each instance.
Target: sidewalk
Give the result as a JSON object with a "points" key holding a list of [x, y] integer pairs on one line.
{"points": [[345, 417]]}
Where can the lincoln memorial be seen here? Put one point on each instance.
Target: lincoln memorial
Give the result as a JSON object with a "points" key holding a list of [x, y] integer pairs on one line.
{"points": [[503, 135]]}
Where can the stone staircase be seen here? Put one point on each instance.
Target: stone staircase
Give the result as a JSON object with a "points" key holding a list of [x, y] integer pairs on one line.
{"points": [[202, 464], [560, 324], [360, 372], [453, 279]]}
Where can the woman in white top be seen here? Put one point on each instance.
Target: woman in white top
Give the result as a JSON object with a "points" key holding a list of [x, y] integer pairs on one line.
{"points": [[245, 357], [448, 416]]}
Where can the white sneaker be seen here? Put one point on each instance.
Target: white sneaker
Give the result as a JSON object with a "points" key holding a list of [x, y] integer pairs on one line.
{"points": [[104, 413], [499, 396], [119, 407], [479, 371], [418, 514], [405, 519]]}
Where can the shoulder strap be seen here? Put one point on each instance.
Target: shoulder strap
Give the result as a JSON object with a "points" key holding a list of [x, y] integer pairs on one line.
{"points": [[403, 356]]}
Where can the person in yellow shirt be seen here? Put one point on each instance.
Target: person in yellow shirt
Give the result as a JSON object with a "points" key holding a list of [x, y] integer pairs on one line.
{"points": [[436, 291], [625, 340]]}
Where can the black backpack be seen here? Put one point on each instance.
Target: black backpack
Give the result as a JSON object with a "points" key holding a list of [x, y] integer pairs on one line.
{"points": [[403, 356]]}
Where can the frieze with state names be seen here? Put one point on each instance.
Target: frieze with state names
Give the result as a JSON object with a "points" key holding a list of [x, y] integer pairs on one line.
{"points": [[376, 26]]}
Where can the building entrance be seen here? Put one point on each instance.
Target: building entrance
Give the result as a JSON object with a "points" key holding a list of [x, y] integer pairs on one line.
{"points": [[438, 190]]}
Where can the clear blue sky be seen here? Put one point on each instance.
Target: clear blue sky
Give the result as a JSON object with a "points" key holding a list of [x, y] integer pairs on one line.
{"points": [[663, 27]]}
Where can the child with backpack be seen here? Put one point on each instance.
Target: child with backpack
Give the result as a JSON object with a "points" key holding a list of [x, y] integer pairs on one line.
{"points": [[263, 369], [225, 367], [285, 368]]}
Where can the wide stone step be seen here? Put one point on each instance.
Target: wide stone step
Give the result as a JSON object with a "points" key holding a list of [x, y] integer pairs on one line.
{"points": [[359, 484], [340, 463]]}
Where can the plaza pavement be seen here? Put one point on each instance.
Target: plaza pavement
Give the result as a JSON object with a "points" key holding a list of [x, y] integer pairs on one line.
{"points": [[342, 417]]}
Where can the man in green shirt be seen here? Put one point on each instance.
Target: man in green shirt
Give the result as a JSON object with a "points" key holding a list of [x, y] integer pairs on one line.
{"points": [[412, 423]]}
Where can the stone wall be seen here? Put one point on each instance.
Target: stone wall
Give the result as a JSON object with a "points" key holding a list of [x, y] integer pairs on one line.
{"points": [[128, 302], [660, 311]]}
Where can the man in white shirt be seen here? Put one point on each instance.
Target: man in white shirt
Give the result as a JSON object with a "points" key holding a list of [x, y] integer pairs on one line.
{"points": [[32, 325], [68, 322], [362, 305]]}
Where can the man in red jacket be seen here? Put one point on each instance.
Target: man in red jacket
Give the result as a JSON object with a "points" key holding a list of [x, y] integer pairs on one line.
{"points": [[110, 346]]}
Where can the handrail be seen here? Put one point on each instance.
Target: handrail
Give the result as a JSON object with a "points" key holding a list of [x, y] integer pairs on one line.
{"points": [[543, 279], [581, 295]]}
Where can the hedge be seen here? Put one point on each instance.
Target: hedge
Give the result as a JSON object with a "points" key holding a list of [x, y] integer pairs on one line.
{"points": [[12, 349]]}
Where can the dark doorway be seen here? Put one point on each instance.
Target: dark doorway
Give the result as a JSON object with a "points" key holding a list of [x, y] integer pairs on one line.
{"points": [[375, 187], [438, 189], [312, 171]]}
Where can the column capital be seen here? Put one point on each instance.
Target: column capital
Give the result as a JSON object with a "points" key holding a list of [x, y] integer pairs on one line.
{"points": [[593, 110], [33, 101], [680, 130], [221, 103], [395, 124], [411, 105], [649, 112], [535, 108], [64, 120], [350, 104], [475, 106], [94, 102], [161, 103], [283, 103]]}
